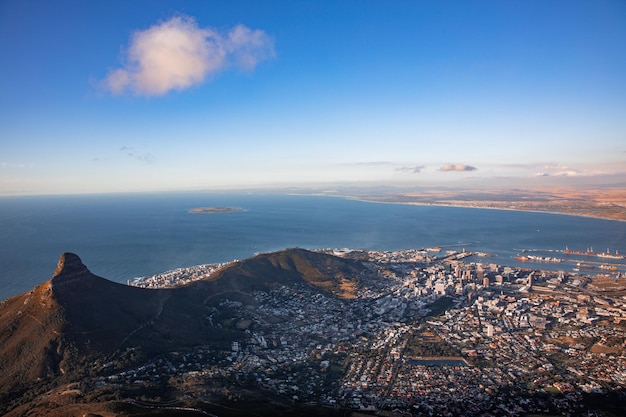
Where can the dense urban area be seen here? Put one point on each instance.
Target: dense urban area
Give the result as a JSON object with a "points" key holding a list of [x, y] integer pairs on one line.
{"points": [[426, 331]]}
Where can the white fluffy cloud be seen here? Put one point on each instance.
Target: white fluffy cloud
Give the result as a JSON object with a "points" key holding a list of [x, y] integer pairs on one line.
{"points": [[457, 168], [177, 54]]}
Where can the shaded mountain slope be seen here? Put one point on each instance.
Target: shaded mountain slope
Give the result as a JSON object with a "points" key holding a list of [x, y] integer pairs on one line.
{"points": [[54, 328], [99, 312]]}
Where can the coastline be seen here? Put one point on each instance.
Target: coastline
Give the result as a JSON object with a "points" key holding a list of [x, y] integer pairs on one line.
{"points": [[198, 238], [561, 213], [484, 207]]}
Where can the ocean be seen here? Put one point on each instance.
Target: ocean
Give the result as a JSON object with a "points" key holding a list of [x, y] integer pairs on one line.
{"points": [[122, 236]]}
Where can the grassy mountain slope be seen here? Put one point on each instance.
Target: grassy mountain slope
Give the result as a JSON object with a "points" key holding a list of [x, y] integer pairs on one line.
{"points": [[325, 272]]}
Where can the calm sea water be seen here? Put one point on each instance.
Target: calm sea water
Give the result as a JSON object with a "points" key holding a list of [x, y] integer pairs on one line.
{"points": [[123, 236]]}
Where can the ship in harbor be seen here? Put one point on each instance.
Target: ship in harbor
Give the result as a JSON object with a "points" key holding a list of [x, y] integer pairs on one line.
{"points": [[608, 267], [538, 258], [609, 255], [590, 252]]}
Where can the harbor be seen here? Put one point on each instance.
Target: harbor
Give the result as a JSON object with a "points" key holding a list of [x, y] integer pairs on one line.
{"points": [[609, 263]]}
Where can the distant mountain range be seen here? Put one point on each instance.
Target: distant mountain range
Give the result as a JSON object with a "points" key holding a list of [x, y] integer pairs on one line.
{"points": [[57, 332]]}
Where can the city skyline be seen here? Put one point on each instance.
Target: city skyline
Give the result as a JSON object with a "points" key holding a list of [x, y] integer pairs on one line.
{"points": [[151, 96]]}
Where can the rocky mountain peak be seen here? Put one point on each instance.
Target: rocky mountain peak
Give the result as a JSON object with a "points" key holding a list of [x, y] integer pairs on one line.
{"points": [[69, 263], [69, 267]]}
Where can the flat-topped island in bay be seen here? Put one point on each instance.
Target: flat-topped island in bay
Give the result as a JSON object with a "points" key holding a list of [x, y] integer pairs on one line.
{"points": [[210, 210]]}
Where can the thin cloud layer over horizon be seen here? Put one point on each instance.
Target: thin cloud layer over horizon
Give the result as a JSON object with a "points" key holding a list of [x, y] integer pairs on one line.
{"points": [[414, 169], [177, 54]]}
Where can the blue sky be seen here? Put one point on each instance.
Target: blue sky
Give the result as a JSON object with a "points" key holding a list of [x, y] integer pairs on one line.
{"points": [[181, 95]]}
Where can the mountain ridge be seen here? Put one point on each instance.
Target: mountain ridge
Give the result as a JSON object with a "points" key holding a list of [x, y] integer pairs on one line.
{"points": [[52, 334]]}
